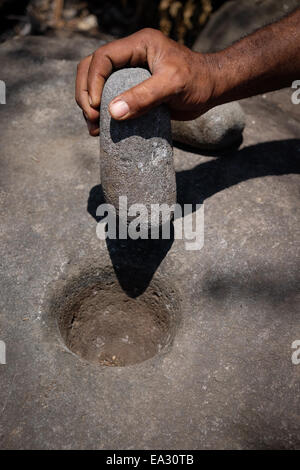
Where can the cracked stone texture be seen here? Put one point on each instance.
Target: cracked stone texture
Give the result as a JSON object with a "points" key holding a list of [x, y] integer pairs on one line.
{"points": [[234, 20], [228, 380], [136, 155], [219, 128]]}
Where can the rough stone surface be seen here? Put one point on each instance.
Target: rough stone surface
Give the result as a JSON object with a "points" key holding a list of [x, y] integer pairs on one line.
{"points": [[136, 155], [236, 19], [219, 128], [228, 380], [39, 48]]}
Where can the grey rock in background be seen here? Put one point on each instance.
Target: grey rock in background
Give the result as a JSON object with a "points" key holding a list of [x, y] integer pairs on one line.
{"points": [[136, 155], [220, 127], [236, 19]]}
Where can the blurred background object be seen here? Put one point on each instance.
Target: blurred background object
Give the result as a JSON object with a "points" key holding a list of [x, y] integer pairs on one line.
{"points": [[182, 20], [236, 19], [206, 24]]}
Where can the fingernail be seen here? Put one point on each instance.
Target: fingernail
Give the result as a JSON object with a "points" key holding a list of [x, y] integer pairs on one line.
{"points": [[119, 109], [90, 101]]}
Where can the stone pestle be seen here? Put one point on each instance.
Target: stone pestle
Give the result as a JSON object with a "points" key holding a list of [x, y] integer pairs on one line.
{"points": [[136, 154]]}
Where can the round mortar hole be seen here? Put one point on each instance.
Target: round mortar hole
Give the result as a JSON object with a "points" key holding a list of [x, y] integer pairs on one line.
{"points": [[104, 325]]}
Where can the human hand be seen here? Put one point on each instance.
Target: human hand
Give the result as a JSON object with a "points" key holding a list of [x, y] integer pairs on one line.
{"points": [[181, 78]]}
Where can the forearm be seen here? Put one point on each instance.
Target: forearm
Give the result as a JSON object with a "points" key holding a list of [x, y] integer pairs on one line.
{"points": [[190, 83], [266, 60]]}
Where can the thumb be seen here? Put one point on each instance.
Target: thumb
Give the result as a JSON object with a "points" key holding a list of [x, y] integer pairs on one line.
{"points": [[140, 99]]}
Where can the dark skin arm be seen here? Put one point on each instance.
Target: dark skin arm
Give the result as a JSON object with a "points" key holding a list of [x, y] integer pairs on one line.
{"points": [[189, 82]]}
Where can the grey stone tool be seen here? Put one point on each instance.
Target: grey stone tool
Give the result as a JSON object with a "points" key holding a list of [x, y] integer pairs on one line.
{"points": [[137, 154], [219, 128]]}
